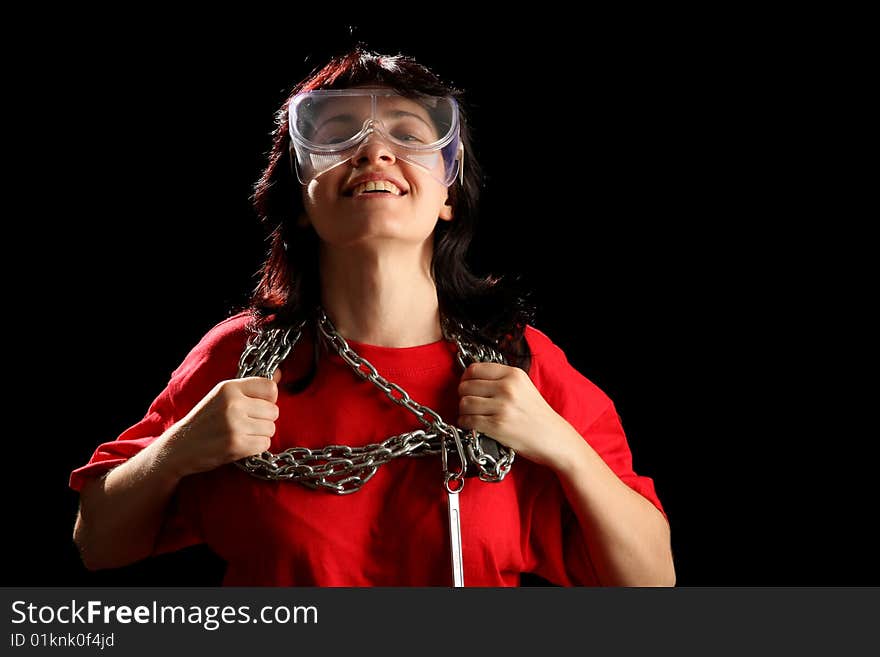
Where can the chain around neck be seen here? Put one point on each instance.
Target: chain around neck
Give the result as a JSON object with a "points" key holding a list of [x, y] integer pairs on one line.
{"points": [[343, 469]]}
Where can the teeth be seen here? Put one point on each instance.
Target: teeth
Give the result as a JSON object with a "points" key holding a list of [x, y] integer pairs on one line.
{"points": [[374, 185]]}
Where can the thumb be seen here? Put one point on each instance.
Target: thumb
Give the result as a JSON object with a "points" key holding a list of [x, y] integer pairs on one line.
{"points": [[276, 377]]}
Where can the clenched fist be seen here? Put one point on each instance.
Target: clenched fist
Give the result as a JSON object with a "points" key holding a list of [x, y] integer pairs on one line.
{"points": [[503, 402], [236, 419]]}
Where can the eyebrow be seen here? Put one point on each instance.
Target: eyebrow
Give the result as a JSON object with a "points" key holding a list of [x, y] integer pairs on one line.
{"points": [[395, 114], [398, 113], [337, 118]]}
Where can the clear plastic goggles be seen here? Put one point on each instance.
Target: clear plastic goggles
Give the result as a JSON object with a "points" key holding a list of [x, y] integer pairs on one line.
{"points": [[328, 127]]}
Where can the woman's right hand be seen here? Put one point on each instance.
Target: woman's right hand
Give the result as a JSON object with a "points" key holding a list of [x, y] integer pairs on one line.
{"points": [[235, 420]]}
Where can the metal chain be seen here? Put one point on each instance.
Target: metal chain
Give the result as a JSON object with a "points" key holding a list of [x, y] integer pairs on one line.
{"points": [[265, 351], [343, 469]]}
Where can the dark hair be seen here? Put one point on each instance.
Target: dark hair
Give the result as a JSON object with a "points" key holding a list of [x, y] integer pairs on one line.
{"points": [[288, 290]]}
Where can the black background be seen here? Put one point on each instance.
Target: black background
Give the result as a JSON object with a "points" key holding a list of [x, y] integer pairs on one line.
{"points": [[677, 251]]}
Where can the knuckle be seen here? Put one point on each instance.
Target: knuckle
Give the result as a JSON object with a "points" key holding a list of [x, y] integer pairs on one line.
{"points": [[244, 444], [233, 410], [236, 427]]}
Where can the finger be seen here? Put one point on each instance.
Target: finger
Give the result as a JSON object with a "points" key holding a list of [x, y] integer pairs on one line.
{"points": [[478, 422], [488, 371], [261, 409], [260, 387], [276, 376], [263, 428], [469, 405], [258, 445], [477, 388]]}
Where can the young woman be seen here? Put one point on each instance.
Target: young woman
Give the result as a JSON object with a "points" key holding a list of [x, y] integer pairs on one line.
{"points": [[378, 416]]}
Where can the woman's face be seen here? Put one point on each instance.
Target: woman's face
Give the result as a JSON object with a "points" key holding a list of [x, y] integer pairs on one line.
{"points": [[344, 211]]}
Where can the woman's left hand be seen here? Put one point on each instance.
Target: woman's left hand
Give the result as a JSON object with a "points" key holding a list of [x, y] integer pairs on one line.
{"points": [[502, 402]]}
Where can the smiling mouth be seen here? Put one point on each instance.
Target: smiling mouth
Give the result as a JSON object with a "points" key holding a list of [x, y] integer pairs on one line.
{"points": [[376, 188]]}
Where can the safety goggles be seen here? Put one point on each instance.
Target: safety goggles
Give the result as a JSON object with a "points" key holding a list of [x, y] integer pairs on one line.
{"points": [[328, 127]]}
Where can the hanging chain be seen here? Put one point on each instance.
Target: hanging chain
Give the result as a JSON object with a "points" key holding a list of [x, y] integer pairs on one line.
{"points": [[265, 351], [343, 469]]}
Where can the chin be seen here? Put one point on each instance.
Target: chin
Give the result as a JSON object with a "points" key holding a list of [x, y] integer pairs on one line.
{"points": [[379, 237]]}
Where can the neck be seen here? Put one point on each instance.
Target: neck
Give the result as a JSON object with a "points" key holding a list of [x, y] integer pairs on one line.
{"points": [[386, 298]]}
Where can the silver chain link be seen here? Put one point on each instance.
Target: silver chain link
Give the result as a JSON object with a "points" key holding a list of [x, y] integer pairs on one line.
{"points": [[343, 469], [265, 351]]}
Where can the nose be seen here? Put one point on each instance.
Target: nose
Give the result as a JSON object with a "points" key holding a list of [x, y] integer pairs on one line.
{"points": [[374, 150]]}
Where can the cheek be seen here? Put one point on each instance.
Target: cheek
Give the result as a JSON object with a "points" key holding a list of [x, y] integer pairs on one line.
{"points": [[430, 193], [311, 194], [318, 198]]}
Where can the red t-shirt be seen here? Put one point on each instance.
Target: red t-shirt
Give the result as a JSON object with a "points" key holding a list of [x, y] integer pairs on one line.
{"points": [[394, 531]]}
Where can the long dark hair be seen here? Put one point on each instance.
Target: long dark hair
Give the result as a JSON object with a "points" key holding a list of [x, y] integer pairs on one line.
{"points": [[289, 291]]}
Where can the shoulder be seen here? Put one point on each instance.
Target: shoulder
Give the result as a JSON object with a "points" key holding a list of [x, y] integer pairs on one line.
{"points": [[567, 389], [216, 354], [546, 354], [539, 342], [229, 332]]}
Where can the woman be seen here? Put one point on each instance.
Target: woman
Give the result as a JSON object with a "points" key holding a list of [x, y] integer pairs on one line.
{"points": [[370, 194]]}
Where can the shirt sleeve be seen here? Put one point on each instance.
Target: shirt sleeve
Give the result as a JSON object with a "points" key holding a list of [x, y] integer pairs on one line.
{"points": [[555, 548], [213, 359]]}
